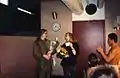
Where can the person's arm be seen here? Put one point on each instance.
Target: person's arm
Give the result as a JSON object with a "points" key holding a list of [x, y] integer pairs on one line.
{"points": [[88, 72], [119, 65], [75, 48], [107, 58], [38, 52]]}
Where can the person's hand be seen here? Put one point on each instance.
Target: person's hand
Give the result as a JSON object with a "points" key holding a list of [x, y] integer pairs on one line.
{"points": [[49, 53], [66, 56], [100, 49], [46, 56]]}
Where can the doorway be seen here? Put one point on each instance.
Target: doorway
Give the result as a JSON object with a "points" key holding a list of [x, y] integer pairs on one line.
{"points": [[90, 35]]}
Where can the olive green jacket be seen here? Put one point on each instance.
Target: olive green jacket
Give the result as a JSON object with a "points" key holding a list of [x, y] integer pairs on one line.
{"points": [[41, 47]]}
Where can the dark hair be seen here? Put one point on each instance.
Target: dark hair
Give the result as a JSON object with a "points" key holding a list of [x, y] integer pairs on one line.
{"points": [[113, 36], [93, 60], [42, 31]]}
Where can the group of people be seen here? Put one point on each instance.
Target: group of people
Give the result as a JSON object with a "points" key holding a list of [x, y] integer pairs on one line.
{"points": [[43, 52], [112, 58]]}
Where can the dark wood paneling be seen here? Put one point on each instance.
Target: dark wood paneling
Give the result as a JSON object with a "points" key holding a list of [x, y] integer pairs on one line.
{"points": [[16, 57]]}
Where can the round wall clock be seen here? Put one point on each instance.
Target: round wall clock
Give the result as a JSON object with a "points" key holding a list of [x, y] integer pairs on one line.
{"points": [[56, 26]]}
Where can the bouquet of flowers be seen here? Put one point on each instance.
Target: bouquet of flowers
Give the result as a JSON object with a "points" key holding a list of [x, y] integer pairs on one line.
{"points": [[62, 53]]}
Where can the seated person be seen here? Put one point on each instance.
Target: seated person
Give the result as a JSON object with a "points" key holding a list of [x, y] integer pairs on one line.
{"points": [[93, 62], [96, 70]]}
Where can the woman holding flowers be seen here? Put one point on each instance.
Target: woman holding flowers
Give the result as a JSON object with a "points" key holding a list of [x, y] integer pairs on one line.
{"points": [[68, 53]]}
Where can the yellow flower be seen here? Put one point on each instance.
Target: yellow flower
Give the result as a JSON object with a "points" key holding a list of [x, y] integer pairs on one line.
{"points": [[62, 53], [58, 50], [63, 50]]}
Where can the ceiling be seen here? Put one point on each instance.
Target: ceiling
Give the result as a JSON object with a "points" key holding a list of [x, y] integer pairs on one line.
{"points": [[77, 6]]}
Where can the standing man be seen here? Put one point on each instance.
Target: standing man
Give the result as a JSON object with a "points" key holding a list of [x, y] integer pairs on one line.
{"points": [[113, 57], [42, 52]]}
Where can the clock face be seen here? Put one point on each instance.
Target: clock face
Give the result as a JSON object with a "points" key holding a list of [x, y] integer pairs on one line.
{"points": [[56, 26]]}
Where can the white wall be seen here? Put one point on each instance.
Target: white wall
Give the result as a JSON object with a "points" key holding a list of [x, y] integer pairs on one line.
{"points": [[100, 14], [64, 18]]}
